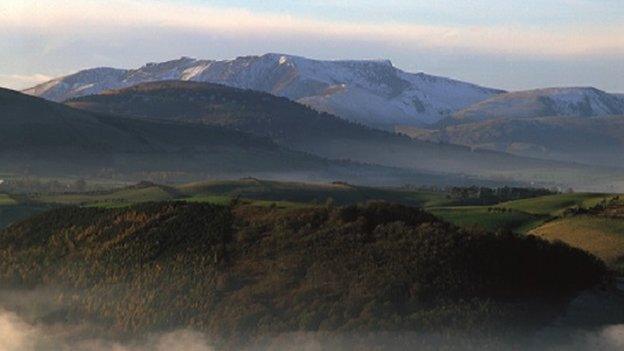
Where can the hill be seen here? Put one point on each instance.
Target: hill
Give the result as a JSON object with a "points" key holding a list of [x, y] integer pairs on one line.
{"points": [[300, 128], [541, 123], [595, 226], [257, 191], [251, 111], [573, 102], [45, 138], [242, 272], [603, 237], [519, 216], [553, 138], [371, 92]]}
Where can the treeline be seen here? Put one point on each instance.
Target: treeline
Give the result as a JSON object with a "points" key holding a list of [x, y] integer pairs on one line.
{"points": [[612, 208]]}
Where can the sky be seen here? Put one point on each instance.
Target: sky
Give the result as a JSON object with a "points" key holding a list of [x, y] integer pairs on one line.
{"points": [[508, 44]]}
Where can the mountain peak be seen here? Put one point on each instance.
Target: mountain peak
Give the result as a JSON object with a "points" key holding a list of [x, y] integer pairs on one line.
{"points": [[372, 92]]}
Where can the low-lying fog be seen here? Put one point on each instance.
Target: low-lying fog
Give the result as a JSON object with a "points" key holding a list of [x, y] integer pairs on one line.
{"points": [[24, 327], [18, 335]]}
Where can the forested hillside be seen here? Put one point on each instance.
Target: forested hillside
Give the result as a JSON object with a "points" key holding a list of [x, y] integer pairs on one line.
{"points": [[237, 272]]}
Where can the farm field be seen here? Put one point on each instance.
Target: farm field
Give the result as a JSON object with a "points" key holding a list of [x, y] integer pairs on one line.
{"points": [[6, 200], [542, 216], [554, 204], [259, 192], [603, 237], [484, 217]]}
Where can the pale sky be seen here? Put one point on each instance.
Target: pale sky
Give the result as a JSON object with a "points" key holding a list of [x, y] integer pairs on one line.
{"points": [[509, 44]]}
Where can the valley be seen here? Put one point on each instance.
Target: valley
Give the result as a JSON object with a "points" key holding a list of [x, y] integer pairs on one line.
{"points": [[278, 202], [243, 269]]}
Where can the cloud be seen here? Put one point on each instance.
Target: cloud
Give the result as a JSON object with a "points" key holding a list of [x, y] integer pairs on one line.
{"points": [[22, 81], [15, 334], [66, 16], [18, 335]]}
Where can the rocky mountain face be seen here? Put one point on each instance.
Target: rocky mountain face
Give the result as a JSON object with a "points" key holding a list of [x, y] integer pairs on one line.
{"points": [[371, 92]]}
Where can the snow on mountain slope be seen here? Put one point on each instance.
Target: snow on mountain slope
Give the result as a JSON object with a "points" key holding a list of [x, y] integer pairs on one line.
{"points": [[373, 92], [572, 102]]}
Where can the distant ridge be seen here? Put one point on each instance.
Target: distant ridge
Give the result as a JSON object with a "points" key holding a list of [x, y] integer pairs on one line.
{"points": [[41, 137], [549, 102], [373, 92], [298, 127], [573, 124]]}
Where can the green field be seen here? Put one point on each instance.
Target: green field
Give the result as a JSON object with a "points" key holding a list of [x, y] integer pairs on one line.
{"points": [[519, 216], [480, 216], [295, 192], [542, 216], [6, 200], [261, 192], [554, 204], [118, 198]]}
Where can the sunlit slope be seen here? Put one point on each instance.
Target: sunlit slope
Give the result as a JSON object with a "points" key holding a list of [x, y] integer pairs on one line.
{"points": [[603, 237], [485, 217]]}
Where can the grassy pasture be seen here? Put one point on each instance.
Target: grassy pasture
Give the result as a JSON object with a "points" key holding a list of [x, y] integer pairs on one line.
{"points": [[603, 237], [118, 198], [554, 204], [306, 193], [541, 216], [6, 200], [480, 216]]}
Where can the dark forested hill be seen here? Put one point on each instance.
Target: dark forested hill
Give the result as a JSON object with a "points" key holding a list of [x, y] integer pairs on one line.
{"points": [[213, 104], [46, 138], [35, 133], [296, 126], [245, 271]]}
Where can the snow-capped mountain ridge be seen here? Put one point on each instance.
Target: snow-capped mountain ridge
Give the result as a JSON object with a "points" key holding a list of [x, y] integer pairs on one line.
{"points": [[374, 92], [546, 102]]}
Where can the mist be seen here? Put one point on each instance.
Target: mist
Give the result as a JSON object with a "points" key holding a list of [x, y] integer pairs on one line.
{"points": [[16, 334]]}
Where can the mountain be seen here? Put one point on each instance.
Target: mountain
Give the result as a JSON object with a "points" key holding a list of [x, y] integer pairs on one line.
{"points": [[371, 92], [566, 124], [46, 138], [300, 128], [573, 102], [595, 140], [240, 273]]}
